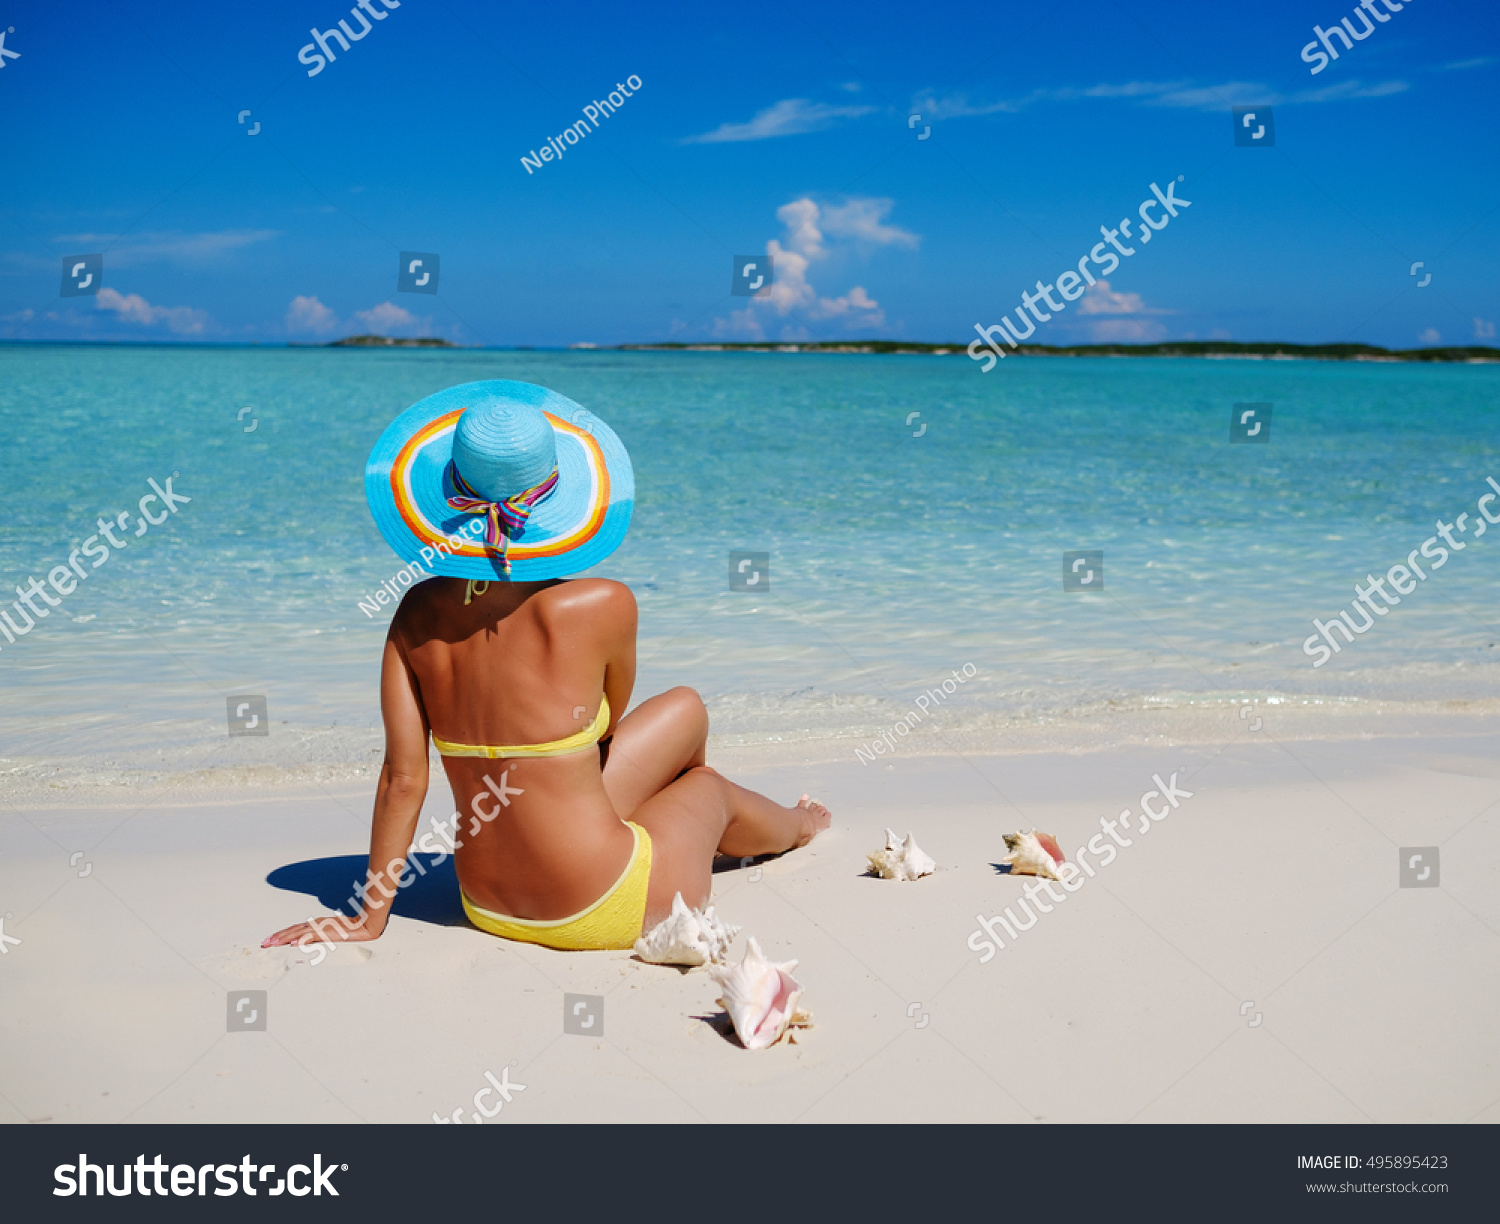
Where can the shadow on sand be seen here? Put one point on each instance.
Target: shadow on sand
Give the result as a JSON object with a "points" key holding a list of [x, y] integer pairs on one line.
{"points": [[430, 897]]}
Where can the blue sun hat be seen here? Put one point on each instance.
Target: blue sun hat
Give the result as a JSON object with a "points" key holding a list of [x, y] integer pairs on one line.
{"points": [[513, 480]]}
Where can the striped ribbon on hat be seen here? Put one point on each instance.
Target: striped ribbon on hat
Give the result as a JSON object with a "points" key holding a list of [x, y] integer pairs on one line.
{"points": [[503, 517]]}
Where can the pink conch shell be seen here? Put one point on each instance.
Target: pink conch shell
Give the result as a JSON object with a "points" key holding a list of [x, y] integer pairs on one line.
{"points": [[761, 998], [1033, 853], [687, 937], [902, 859]]}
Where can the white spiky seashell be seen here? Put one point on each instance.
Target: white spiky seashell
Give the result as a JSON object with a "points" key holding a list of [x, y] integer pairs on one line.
{"points": [[902, 859], [761, 997], [1033, 853], [687, 937]]}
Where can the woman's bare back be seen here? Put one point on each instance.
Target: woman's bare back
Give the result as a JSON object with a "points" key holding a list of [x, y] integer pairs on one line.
{"points": [[525, 663]]}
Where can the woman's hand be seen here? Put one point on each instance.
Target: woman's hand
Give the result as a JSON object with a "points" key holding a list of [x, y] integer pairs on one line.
{"points": [[334, 929]]}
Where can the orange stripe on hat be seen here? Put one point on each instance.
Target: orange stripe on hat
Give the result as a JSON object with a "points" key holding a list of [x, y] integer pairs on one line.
{"points": [[420, 527]]}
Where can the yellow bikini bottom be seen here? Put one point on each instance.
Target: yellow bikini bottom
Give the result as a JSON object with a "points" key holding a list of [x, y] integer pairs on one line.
{"points": [[613, 921]]}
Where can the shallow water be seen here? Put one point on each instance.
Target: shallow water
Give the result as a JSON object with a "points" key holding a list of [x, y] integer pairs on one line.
{"points": [[895, 559]]}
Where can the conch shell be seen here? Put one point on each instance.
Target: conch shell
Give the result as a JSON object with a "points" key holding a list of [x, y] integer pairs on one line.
{"points": [[687, 937], [902, 859], [761, 998], [1033, 853]]}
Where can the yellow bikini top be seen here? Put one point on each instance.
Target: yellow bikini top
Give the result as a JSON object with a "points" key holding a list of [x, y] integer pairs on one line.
{"points": [[577, 742]]}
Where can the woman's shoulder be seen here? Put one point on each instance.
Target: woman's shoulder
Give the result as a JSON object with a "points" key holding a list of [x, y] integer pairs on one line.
{"points": [[595, 608], [587, 595]]}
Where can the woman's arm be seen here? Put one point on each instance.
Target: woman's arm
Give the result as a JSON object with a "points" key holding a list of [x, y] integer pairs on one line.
{"points": [[398, 803], [620, 617]]}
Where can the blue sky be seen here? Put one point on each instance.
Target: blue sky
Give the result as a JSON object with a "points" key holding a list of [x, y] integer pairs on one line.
{"points": [[756, 128]]}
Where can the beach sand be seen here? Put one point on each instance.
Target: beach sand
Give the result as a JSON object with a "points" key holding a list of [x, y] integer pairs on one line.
{"points": [[1252, 959]]}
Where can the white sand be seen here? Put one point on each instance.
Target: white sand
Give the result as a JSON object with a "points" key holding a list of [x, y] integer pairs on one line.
{"points": [[1275, 885]]}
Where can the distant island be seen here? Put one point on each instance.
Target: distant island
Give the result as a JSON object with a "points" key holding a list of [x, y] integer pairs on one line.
{"points": [[1267, 351], [388, 342], [1258, 350]]}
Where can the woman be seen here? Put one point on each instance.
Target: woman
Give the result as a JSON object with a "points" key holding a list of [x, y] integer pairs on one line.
{"points": [[578, 826]]}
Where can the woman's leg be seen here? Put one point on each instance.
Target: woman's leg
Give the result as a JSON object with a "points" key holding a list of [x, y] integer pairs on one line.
{"points": [[652, 745], [702, 814]]}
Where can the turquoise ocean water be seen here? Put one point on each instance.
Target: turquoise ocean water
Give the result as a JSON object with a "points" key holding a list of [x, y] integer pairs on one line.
{"points": [[903, 547]]}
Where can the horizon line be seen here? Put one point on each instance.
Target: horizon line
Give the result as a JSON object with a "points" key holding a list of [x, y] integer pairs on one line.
{"points": [[877, 347]]}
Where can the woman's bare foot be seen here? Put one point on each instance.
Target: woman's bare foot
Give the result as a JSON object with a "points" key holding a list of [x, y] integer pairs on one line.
{"points": [[816, 818], [758, 825]]}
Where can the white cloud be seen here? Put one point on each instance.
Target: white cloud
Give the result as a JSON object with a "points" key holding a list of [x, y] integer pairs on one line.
{"points": [[133, 308], [1217, 97], [800, 218], [385, 317], [1122, 331], [1131, 89], [1101, 299], [851, 303], [958, 106], [1484, 329], [308, 315], [863, 221], [1469, 63], [1348, 89], [1430, 336], [168, 246], [789, 117], [1177, 94], [810, 232], [740, 325]]}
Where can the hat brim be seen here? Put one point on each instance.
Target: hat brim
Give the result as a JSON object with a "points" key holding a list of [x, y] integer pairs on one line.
{"points": [[408, 481]]}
